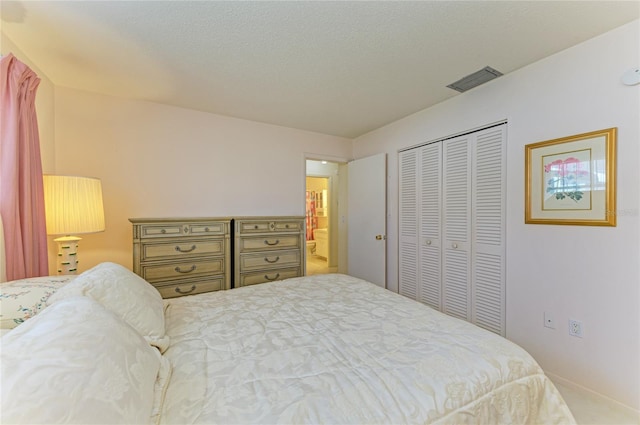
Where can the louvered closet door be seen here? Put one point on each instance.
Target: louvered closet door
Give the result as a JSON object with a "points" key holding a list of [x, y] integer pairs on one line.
{"points": [[456, 250], [452, 226], [430, 279], [408, 224], [420, 224], [488, 266]]}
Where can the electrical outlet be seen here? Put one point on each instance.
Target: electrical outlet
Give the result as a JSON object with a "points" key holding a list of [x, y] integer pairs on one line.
{"points": [[549, 322], [575, 328]]}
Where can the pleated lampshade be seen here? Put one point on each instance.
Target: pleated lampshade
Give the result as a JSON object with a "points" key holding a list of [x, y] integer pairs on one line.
{"points": [[73, 205]]}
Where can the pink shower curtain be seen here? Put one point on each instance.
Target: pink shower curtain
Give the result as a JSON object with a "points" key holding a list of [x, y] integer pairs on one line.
{"points": [[21, 186], [312, 219]]}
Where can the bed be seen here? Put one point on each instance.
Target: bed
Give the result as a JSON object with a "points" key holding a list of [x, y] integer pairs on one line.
{"points": [[318, 349]]}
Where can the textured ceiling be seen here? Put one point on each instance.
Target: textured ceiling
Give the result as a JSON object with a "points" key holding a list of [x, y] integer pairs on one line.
{"points": [[341, 68]]}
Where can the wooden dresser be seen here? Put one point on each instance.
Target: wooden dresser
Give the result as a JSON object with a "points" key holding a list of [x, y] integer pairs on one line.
{"points": [[268, 249], [183, 256]]}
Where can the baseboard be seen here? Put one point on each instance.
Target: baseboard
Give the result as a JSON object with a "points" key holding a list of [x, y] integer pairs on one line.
{"points": [[570, 384]]}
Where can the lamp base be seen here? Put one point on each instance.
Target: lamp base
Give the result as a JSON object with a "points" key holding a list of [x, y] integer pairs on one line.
{"points": [[67, 255]]}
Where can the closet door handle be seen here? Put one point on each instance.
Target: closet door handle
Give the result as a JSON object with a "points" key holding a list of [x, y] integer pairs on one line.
{"points": [[454, 245], [271, 261], [266, 242], [193, 267], [275, 278], [428, 242]]}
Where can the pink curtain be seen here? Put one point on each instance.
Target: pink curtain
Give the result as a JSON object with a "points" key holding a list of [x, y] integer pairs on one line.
{"points": [[21, 186]]}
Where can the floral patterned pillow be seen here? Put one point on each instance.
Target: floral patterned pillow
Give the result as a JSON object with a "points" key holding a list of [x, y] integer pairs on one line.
{"points": [[24, 298]]}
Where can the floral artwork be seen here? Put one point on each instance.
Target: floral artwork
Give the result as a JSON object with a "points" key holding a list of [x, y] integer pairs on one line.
{"points": [[572, 180], [567, 178]]}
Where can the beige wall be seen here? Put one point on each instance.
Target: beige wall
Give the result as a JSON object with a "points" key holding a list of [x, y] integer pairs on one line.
{"points": [[585, 273], [158, 161]]}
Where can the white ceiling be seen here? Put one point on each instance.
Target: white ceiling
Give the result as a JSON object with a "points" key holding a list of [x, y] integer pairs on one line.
{"points": [[342, 68]]}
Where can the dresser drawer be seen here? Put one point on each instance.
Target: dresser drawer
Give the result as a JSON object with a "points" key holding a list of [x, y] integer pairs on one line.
{"points": [[264, 243], [265, 226], [190, 287], [169, 230], [161, 230], [254, 278], [269, 260], [182, 248], [287, 226], [253, 227], [202, 229], [182, 269]]}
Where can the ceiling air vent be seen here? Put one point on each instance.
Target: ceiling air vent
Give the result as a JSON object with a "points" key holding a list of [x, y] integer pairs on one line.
{"points": [[474, 80]]}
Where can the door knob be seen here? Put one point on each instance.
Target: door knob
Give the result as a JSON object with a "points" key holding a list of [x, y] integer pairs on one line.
{"points": [[380, 237]]}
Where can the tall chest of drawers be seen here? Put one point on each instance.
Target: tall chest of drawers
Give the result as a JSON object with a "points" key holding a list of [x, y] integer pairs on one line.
{"points": [[268, 249], [183, 256]]}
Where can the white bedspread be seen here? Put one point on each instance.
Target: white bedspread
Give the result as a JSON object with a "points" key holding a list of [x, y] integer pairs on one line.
{"points": [[339, 350]]}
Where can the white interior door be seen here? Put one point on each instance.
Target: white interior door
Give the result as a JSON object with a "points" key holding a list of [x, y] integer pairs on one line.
{"points": [[367, 218]]}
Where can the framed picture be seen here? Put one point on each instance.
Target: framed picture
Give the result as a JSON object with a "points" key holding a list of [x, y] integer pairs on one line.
{"points": [[572, 180]]}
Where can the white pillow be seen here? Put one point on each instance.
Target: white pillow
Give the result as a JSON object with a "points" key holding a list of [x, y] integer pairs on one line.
{"points": [[125, 293], [24, 298], [77, 362]]}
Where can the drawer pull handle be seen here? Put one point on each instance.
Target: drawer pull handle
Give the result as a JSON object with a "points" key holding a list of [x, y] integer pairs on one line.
{"points": [[286, 226], [179, 291], [185, 250], [266, 242], [271, 261], [163, 231], [206, 229], [193, 267], [275, 278], [255, 227]]}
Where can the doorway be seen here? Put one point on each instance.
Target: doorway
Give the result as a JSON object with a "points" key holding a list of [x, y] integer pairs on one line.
{"points": [[360, 199], [321, 210]]}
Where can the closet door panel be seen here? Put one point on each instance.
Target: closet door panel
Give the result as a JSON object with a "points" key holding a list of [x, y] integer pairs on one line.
{"points": [[488, 265], [488, 188], [456, 284], [430, 284], [488, 292], [456, 187], [408, 224]]}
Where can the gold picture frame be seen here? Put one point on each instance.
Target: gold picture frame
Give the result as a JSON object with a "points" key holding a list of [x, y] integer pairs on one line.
{"points": [[572, 180]]}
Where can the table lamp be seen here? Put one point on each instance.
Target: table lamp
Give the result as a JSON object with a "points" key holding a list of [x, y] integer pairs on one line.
{"points": [[73, 205]]}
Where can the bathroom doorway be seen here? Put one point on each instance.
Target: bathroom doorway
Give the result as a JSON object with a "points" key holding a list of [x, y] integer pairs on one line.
{"points": [[321, 205]]}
